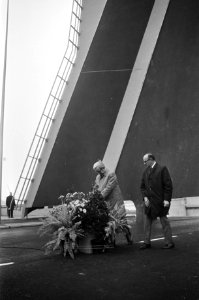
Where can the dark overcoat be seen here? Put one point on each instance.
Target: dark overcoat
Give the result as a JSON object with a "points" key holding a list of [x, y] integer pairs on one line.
{"points": [[157, 185], [10, 202]]}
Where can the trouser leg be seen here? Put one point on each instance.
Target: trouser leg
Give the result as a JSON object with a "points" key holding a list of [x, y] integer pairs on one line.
{"points": [[166, 230], [147, 229], [8, 213], [128, 236]]}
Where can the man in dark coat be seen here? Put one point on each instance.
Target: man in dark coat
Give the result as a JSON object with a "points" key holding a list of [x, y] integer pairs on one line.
{"points": [[156, 188], [10, 203]]}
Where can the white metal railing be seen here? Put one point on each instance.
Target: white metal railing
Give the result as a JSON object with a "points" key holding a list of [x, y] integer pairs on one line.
{"points": [[52, 103]]}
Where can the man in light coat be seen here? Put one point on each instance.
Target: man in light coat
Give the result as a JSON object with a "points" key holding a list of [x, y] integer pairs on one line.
{"points": [[106, 182]]}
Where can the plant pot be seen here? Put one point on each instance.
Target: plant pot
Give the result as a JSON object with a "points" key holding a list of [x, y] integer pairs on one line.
{"points": [[85, 244], [98, 246]]}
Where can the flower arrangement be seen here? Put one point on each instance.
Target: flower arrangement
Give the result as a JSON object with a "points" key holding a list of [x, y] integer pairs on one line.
{"points": [[117, 223], [62, 229], [78, 216], [96, 217]]}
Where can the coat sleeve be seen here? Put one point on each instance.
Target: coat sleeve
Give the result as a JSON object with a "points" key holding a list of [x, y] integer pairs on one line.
{"points": [[96, 183], [111, 183], [7, 201], [167, 184], [143, 187]]}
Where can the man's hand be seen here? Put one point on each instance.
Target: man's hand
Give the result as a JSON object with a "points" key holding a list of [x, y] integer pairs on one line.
{"points": [[166, 203], [95, 187], [146, 201]]}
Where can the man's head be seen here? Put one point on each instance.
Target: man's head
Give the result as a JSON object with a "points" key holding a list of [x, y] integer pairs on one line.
{"points": [[99, 167], [148, 159]]}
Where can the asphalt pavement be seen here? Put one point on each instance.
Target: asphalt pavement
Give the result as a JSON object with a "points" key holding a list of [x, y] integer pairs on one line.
{"points": [[121, 273]]}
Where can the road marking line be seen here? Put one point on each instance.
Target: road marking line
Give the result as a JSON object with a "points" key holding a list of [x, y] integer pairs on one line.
{"points": [[6, 264], [157, 239]]}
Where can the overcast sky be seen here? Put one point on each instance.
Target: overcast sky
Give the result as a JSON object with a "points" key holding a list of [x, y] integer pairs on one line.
{"points": [[37, 40]]}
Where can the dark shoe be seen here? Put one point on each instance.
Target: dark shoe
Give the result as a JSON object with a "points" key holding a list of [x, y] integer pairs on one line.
{"points": [[145, 246], [168, 246]]}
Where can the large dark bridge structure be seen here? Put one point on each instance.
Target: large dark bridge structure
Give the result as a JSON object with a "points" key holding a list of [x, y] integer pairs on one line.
{"points": [[133, 88]]}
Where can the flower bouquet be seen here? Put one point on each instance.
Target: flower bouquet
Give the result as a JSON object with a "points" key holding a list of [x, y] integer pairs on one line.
{"points": [[62, 228], [78, 216], [117, 223]]}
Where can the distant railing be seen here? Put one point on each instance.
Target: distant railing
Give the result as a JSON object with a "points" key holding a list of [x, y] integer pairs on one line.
{"points": [[52, 103]]}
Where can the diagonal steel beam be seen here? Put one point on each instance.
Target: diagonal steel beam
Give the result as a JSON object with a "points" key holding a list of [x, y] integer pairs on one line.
{"points": [[136, 81]]}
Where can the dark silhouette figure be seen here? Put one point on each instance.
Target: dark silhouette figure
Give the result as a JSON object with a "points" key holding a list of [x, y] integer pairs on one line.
{"points": [[10, 203]]}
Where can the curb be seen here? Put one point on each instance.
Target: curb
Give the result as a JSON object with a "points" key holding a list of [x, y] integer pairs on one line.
{"points": [[28, 223], [15, 225]]}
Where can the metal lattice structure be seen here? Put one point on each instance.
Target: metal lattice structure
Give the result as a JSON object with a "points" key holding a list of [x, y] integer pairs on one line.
{"points": [[52, 103]]}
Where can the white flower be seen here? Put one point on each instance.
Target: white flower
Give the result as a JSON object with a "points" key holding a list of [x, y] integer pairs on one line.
{"points": [[68, 195], [84, 210]]}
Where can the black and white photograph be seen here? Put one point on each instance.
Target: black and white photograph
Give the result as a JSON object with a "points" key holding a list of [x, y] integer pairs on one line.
{"points": [[99, 122]]}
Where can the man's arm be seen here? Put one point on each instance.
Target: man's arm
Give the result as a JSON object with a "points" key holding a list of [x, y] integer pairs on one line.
{"points": [[111, 183], [7, 201], [144, 192], [143, 188]]}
